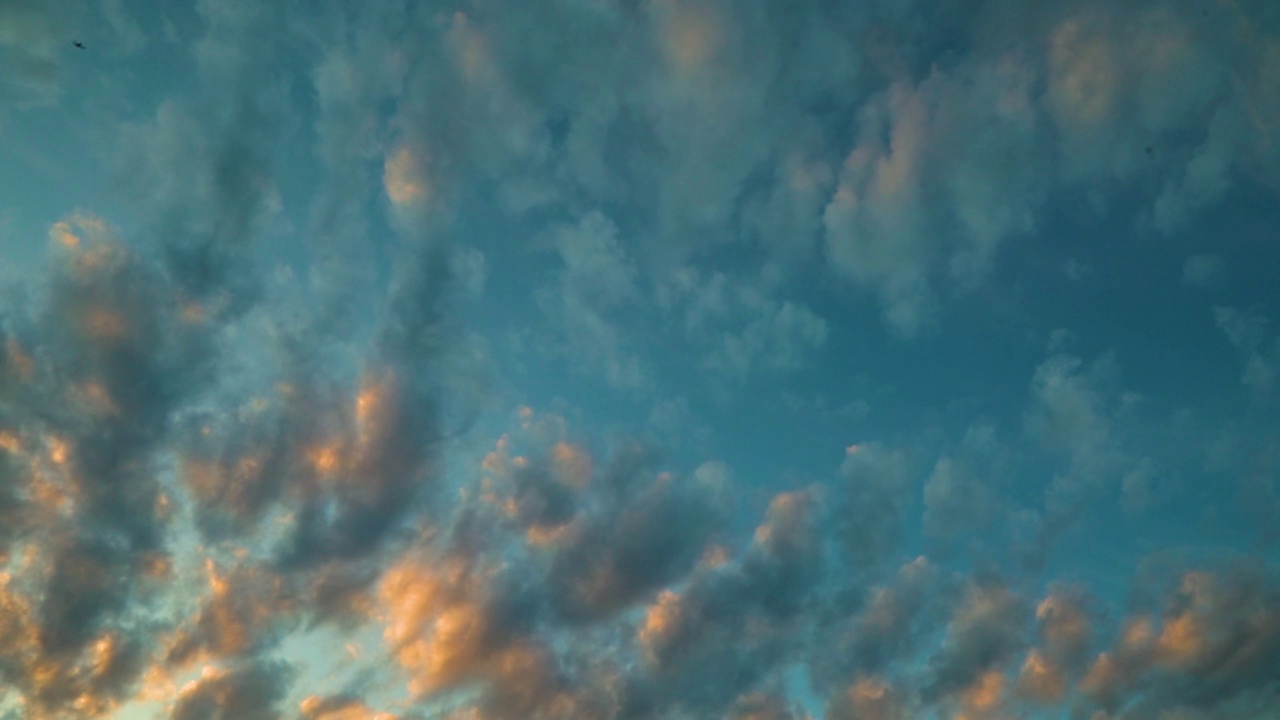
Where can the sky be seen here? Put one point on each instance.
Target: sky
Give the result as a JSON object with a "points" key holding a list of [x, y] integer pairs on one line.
{"points": [[639, 359]]}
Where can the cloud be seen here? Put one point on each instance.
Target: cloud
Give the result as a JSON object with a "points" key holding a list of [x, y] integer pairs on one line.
{"points": [[652, 535], [456, 621], [212, 476], [1136, 487], [126, 31], [1247, 331], [758, 706], [1065, 626], [875, 490], [1041, 679], [338, 707], [373, 457], [1214, 645], [201, 172], [870, 698], [249, 691], [235, 618], [959, 497], [888, 628], [984, 631], [357, 74], [733, 624], [1074, 412], [50, 679], [906, 180], [118, 358], [1091, 71], [1203, 271], [739, 328], [595, 294], [29, 44]]}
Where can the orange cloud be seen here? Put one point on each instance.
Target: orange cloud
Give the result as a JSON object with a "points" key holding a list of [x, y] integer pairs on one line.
{"points": [[438, 630], [80, 227], [404, 177], [315, 707], [104, 324], [572, 465], [17, 630], [786, 522], [1084, 80], [691, 35], [1041, 678], [661, 621], [1064, 627], [97, 398], [19, 359], [1181, 641], [868, 698], [984, 695], [233, 618], [325, 459], [430, 627]]}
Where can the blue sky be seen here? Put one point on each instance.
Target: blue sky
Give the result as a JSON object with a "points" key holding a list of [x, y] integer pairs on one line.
{"points": [[639, 359]]}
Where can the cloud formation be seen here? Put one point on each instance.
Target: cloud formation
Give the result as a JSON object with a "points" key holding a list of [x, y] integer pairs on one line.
{"points": [[248, 462]]}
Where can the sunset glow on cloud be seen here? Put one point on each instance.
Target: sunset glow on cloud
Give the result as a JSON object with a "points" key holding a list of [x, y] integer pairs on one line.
{"points": [[639, 359]]}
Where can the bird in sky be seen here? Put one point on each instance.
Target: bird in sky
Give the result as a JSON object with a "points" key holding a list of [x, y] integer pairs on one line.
{"points": [[78, 44]]}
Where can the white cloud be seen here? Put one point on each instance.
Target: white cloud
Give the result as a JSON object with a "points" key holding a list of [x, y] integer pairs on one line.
{"points": [[738, 327], [1068, 411], [588, 304], [1073, 414], [1136, 487], [1248, 332], [1206, 177], [1203, 271], [939, 178], [31, 35], [127, 34]]}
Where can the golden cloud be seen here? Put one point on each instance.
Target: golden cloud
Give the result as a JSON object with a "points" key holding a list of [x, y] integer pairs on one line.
{"points": [[404, 177]]}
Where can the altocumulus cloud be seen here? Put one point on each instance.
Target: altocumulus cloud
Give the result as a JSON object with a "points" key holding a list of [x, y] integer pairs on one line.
{"points": [[329, 405]]}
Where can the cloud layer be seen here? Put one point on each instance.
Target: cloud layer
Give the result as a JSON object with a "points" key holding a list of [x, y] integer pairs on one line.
{"points": [[431, 360]]}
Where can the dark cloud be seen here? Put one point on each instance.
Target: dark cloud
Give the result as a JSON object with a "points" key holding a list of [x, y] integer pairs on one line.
{"points": [[343, 707], [52, 678], [367, 477], [1216, 643], [542, 501], [650, 533], [759, 706], [93, 379], [875, 492], [985, 629], [736, 622], [120, 349], [869, 698], [251, 691], [964, 492], [201, 171], [357, 74], [86, 582], [235, 464], [887, 626], [239, 616]]}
